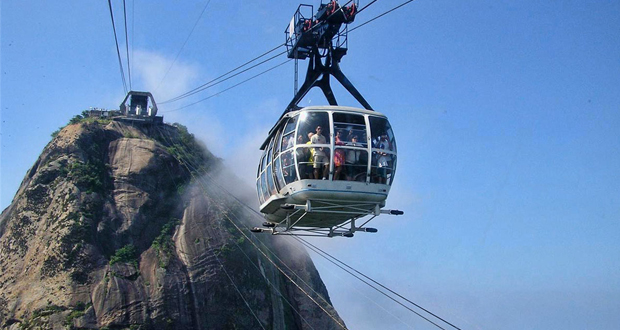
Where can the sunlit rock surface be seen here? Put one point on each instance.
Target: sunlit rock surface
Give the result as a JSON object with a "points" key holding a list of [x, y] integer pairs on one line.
{"points": [[124, 227]]}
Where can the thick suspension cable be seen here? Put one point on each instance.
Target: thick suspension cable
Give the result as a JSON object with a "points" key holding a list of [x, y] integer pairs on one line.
{"points": [[127, 43], [273, 285], [368, 5], [350, 284], [286, 275], [325, 255], [183, 46], [208, 84], [133, 30], [118, 52], [239, 291], [381, 15], [372, 286], [217, 80], [229, 88]]}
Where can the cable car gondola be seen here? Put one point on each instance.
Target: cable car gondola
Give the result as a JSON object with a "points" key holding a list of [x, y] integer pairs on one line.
{"points": [[324, 167]]}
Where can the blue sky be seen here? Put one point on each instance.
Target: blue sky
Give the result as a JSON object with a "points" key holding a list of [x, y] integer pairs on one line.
{"points": [[506, 115]]}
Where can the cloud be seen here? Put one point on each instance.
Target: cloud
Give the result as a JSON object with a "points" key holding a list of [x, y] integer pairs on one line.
{"points": [[166, 78], [244, 152], [162, 75], [244, 157]]}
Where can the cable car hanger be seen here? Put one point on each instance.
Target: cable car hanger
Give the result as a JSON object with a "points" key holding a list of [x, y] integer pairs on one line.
{"points": [[321, 37], [318, 37]]}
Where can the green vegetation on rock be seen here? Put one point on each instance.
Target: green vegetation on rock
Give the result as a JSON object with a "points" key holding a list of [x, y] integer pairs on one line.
{"points": [[88, 176], [186, 149], [163, 243], [126, 254]]}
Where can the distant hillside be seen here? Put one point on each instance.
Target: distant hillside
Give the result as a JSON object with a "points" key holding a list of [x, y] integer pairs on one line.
{"points": [[122, 227]]}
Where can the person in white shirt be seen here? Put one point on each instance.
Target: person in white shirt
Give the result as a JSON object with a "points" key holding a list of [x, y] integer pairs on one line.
{"points": [[320, 158]]}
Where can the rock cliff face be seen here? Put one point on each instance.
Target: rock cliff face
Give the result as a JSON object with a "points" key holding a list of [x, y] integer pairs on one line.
{"points": [[124, 227]]}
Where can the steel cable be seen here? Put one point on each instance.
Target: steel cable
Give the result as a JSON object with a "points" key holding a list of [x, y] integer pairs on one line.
{"points": [[212, 82], [118, 52], [183, 46], [229, 88], [127, 43], [381, 15], [216, 82]]}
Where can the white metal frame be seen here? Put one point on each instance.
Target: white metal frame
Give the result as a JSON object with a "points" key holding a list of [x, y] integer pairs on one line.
{"points": [[346, 229]]}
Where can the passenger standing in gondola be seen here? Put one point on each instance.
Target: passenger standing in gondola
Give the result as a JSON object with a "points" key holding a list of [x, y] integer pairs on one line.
{"points": [[284, 143], [339, 156], [291, 142], [309, 168], [320, 158], [353, 158], [382, 162]]}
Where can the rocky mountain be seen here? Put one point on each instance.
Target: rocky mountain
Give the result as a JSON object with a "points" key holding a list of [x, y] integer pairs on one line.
{"points": [[121, 226]]}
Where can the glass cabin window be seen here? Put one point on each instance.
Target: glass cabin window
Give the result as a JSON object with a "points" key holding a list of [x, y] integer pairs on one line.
{"points": [[260, 165], [288, 136], [288, 167], [382, 169], [276, 144], [347, 126], [313, 145], [310, 121], [266, 175], [269, 156], [260, 193], [290, 125], [350, 163], [313, 162], [279, 177], [383, 166], [305, 160], [304, 155], [270, 184], [351, 143], [350, 154], [259, 183], [380, 127], [275, 164], [288, 141], [264, 161], [263, 185]]}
